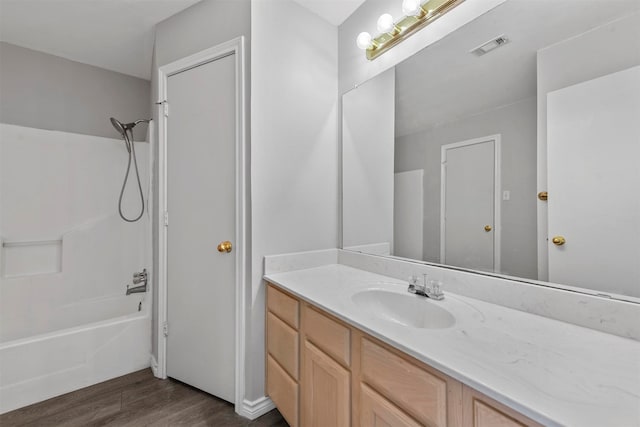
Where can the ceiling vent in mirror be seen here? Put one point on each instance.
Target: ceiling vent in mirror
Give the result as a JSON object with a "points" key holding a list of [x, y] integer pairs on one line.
{"points": [[490, 45]]}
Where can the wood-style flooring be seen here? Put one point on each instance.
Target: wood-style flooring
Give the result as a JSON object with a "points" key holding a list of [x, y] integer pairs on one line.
{"points": [[137, 399]]}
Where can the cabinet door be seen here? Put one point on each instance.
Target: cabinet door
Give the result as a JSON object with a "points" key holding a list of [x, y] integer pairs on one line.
{"points": [[376, 411], [325, 390]]}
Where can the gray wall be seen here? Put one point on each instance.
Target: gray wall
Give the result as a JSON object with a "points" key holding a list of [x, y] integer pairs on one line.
{"points": [[517, 125], [293, 81], [203, 25], [604, 50], [294, 167], [48, 92], [367, 156]]}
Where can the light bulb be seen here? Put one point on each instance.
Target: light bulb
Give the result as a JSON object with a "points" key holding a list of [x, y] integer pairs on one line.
{"points": [[363, 40], [385, 23], [411, 7]]}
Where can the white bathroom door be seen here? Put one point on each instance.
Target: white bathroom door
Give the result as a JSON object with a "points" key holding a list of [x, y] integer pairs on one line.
{"points": [[593, 160], [468, 223], [201, 135]]}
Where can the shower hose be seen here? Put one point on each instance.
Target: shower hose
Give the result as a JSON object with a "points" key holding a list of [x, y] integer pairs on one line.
{"points": [[132, 153]]}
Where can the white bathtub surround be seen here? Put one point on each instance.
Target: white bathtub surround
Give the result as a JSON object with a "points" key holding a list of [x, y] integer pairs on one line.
{"points": [[553, 372], [65, 321], [601, 314]]}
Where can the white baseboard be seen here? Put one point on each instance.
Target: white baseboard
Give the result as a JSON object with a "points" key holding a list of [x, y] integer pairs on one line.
{"points": [[258, 407], [154, 366]]}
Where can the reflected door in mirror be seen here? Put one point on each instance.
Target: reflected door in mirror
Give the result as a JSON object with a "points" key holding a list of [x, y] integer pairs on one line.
{"points": [[594, 183], [468, 216]]}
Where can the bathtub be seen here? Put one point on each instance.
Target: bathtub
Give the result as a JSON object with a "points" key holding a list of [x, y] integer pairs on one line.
{"points": [[114, 339]]}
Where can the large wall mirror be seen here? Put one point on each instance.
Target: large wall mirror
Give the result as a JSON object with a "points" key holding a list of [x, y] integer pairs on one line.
{"points": [[444, 156]]}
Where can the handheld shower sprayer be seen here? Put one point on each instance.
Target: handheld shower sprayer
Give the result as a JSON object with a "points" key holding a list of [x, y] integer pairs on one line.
{"points": [[126, 131]]}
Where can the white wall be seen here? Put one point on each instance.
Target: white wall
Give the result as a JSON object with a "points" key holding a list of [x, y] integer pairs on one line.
{"points": [[604, 50], [293, 147], [367, 158], [355, 69], [516, 123]]}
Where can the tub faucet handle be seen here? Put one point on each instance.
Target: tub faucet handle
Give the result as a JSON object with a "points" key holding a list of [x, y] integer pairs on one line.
{"points": [[140, 277], [413, 282]]}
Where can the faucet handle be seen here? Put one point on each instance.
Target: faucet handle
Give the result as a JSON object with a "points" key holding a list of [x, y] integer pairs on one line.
{"points": [[436, 289], [413, 281]]}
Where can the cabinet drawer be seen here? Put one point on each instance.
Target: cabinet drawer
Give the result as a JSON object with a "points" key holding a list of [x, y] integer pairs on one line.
{"points": [[282, 344], [376, 411], [420, 393], [283, 390], [482, 411], [283, 306], [486, 416], [327, 334]]}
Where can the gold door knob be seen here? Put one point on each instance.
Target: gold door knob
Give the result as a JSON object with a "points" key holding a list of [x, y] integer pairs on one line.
{"points": [[558, 240], [225, 246], [487, 228]]}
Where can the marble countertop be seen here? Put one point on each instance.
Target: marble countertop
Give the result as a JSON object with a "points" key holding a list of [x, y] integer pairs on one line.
{"points": [[555, 373]]}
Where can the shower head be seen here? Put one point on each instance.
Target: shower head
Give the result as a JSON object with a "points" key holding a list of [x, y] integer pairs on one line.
{"points": [[119, 126], [122, 129]]}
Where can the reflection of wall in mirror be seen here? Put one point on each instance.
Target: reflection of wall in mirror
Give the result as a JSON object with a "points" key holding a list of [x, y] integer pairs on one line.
{"points": [[408, 215], [367, 184], [604, 50], [517, 125]]}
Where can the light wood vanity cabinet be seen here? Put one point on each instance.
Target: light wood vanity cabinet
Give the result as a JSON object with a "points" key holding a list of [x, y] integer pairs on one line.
{"points": [[322, 372], [326, 389], [326, 378], [283, 348], [425, 395]]}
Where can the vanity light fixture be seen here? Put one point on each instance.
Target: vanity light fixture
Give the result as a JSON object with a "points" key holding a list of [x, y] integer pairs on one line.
{"points": [[386, 24], [418, 14]]}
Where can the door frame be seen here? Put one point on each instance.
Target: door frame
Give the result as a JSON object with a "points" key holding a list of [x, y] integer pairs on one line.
{"points": [[234, 46], [497, 226]]}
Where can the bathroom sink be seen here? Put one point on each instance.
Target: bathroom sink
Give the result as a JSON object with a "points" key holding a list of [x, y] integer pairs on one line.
{"points": [[408, 310]]}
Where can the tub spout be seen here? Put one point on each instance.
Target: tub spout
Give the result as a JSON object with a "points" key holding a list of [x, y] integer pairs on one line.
{"points": [[136, 289]]}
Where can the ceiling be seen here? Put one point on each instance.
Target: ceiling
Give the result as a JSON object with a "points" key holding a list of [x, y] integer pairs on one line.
{"points": [[117, 35], [333, 11], [114, 34], [445, 82]]}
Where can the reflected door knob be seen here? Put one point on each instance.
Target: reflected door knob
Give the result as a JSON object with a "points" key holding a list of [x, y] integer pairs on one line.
{"points": [[558, 240], [487, 228], [225, 246]]}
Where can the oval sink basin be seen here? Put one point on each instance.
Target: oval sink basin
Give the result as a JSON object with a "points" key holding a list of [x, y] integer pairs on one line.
{"points": [[408, 310]]}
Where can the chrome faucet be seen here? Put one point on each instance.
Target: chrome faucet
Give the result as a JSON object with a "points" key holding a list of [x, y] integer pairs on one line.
{"points": [[433, 292], [140, 277]]}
